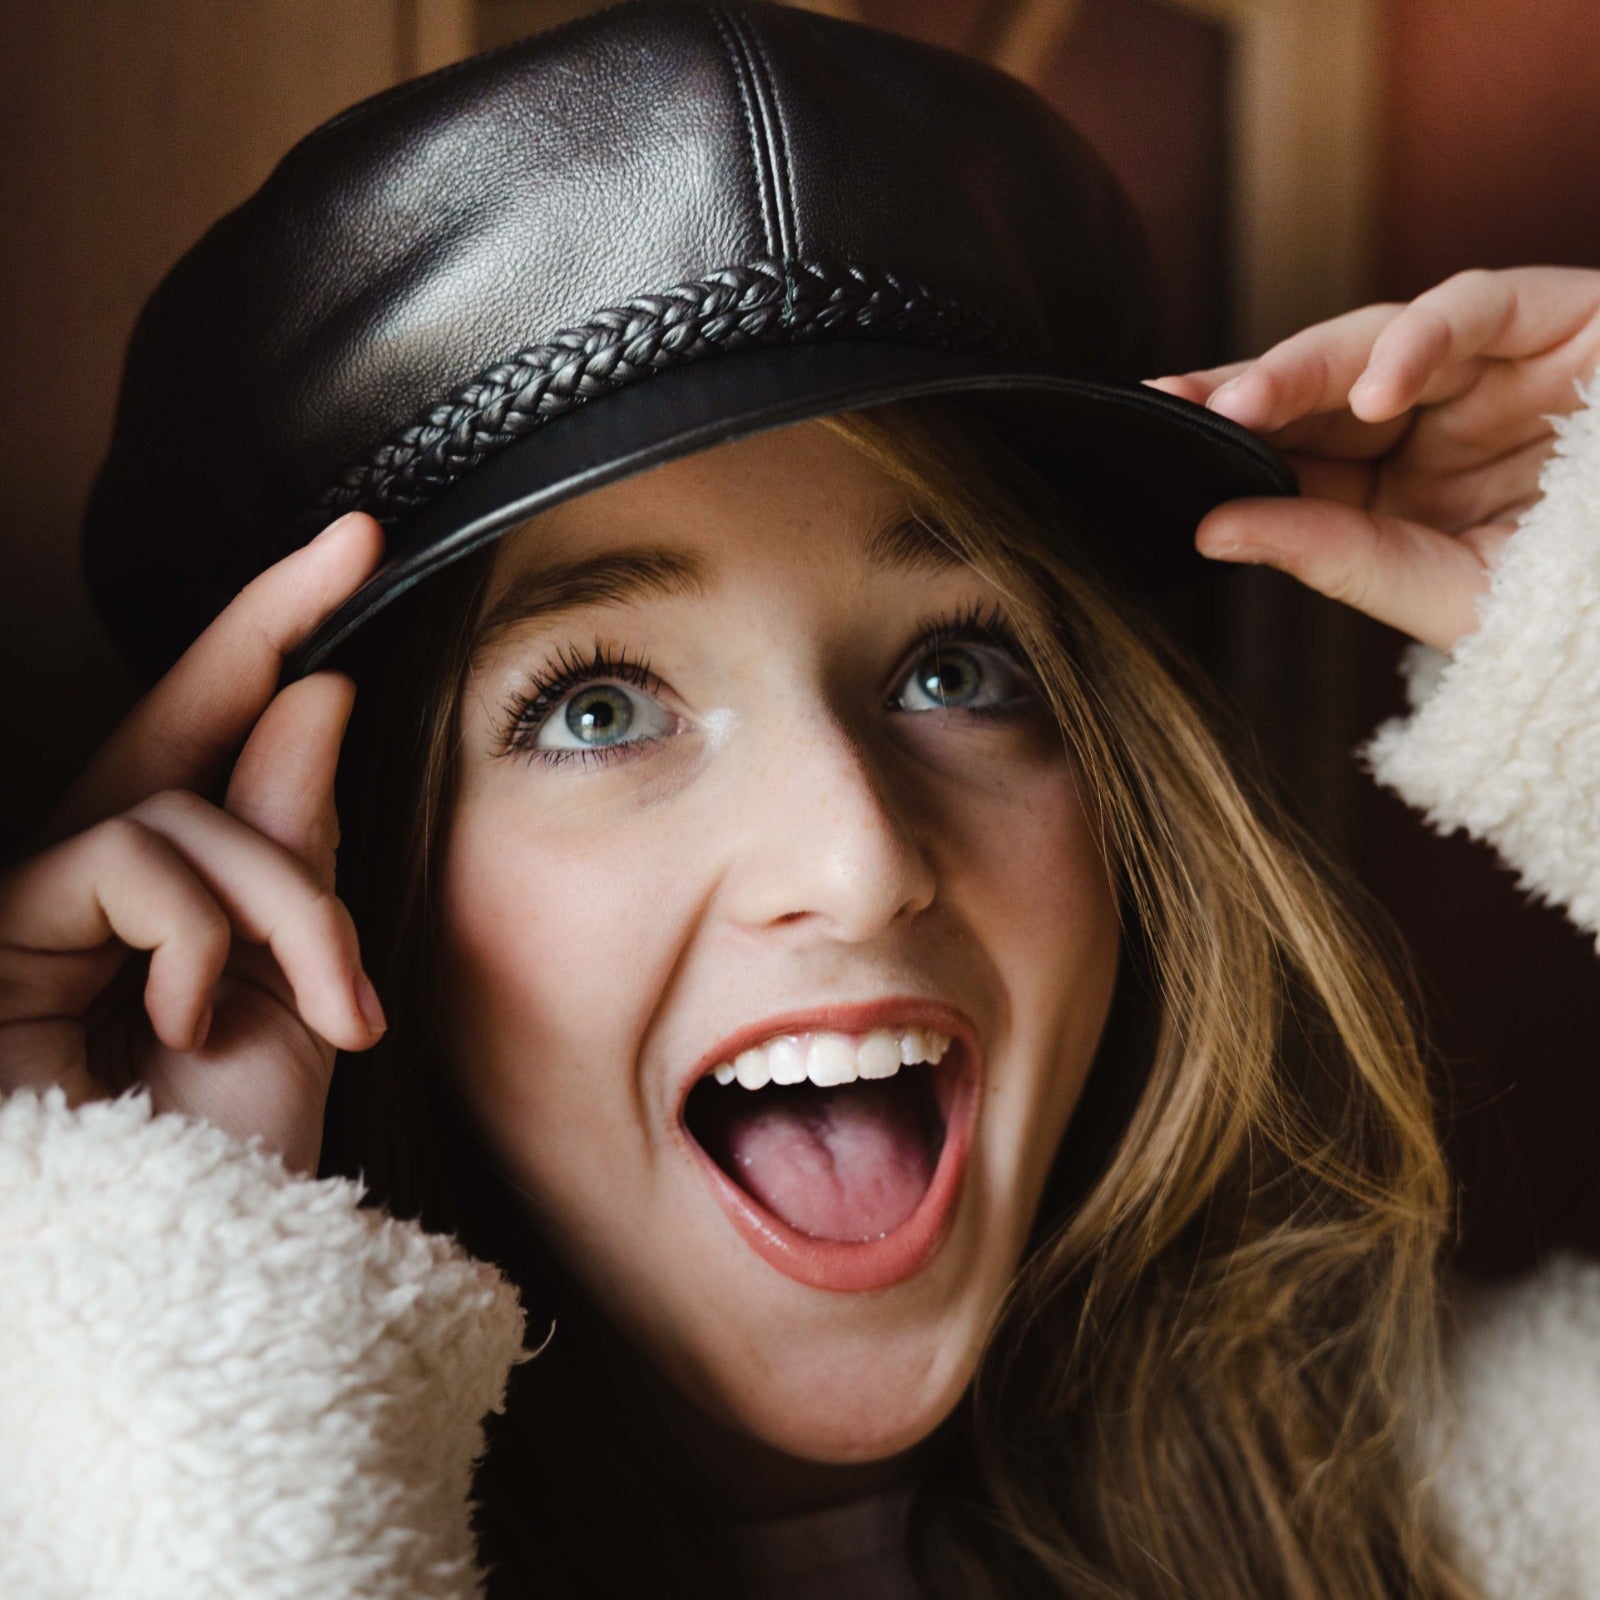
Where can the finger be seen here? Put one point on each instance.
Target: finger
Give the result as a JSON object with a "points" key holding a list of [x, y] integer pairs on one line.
{"points": [[120, 880], [1327, 432], [43, 1044], [272, 899], [1411, 577], [1504, 406], [180, 733], [1509, 406], [283, 782], [1412, 488], [1513, 314], [1340, 435], [1308, 372], [1454, 502], [1198, 386]]}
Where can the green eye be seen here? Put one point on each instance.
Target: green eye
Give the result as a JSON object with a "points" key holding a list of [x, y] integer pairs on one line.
{"points": [[598, 716], [962, 678], [949, 677]]}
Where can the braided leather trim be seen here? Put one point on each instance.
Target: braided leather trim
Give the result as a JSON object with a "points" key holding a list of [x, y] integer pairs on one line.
{"points": [[756, 302]]}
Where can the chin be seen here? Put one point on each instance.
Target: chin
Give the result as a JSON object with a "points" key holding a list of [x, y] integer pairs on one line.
{"points": [[851, 1402]]}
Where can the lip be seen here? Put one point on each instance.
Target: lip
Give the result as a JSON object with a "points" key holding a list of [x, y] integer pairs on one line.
{"points": [[846, 1265]]}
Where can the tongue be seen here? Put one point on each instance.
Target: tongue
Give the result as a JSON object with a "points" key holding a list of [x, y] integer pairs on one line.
{"points": [[845, 1163]]}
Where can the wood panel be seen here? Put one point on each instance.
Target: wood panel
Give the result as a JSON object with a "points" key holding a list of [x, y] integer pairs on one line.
{"points": [[127, 129]]}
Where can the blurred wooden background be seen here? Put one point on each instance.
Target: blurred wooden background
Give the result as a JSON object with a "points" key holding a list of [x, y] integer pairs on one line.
{"points": [[1292, 158]]}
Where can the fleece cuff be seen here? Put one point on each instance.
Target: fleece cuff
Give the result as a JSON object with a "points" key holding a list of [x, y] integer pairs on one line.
{"points": [[220, 1378], [1503, 739], [1517, 1460]]}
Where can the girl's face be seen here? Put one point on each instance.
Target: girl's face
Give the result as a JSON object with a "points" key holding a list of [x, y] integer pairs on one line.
{"points": [[781, 828]]}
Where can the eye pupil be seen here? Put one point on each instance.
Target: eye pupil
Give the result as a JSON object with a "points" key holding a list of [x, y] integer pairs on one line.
{"points": [[937, 677], [591, 715]]}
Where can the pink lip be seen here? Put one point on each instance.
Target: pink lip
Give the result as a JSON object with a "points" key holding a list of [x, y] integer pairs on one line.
{"points": [[853, 1265]]}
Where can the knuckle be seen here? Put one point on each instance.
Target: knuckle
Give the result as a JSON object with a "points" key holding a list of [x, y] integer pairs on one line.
{"points": [[126, 837], [1431, 326], [1317, 377], [182, 802], [1468, 282], [1269, 373], [1421, 318], [210, 928], [321, 837], [172, 806], [1464, 429], [1472, 277], [1342, 580], [1343, 572], [328, 915]]}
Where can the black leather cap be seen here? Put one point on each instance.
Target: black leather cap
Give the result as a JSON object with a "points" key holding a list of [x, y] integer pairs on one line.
{"points": [[659, 227]]}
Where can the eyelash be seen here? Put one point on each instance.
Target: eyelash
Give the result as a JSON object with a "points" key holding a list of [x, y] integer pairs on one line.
{"points": [[525, 711]]}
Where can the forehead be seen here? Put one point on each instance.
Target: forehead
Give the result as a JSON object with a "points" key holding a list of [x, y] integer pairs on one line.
{"points": [[792, 494]]}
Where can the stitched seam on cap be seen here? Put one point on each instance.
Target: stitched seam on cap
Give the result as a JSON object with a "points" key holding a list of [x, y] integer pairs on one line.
{"points": [[780, 249], [740, 78], [772, 119]]}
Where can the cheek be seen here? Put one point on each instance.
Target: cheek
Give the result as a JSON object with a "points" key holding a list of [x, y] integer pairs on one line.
{"points": [[545, 984], [1027, 869], [1045, 916]]}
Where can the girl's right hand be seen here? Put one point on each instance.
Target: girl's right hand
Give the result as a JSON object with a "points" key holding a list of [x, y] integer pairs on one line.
{"points": [[254, 974]]}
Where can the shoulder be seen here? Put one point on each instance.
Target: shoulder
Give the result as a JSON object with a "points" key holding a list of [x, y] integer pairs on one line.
{"points": [[1516, 1454]]}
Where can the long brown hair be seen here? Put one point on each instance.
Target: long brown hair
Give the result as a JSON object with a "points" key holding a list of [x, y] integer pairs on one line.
{"points": [[1212, 1371]]}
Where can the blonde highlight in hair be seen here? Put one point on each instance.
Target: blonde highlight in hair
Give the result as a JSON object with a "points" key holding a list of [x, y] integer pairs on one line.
{"points": [[1213, 1368], [1211, 1375]]}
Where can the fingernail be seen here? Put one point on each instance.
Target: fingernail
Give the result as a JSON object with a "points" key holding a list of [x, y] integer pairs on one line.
{"points": [[1363, 389], [203, 1026], [369, 1004], [1225, 394]]}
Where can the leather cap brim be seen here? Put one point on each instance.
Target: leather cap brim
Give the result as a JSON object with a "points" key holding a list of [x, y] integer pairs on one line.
{"points": [[1136, 468]]}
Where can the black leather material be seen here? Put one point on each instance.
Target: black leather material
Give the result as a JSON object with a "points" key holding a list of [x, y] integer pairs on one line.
{"points": [[436, 305]]}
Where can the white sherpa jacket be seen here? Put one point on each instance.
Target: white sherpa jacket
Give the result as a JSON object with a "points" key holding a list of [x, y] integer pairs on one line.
{"points": [[219, 1379]]}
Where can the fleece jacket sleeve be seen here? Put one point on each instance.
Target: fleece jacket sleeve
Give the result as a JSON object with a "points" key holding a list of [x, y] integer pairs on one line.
{"points": [[1515, 1461], [220, 1378], [1503, 738]]}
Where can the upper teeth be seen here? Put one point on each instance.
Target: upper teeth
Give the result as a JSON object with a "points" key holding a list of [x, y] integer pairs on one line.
{"points": [[828, 1059]]}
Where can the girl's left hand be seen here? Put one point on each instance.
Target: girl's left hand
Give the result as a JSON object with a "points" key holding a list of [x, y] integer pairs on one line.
{"points": [[1418, 432]]}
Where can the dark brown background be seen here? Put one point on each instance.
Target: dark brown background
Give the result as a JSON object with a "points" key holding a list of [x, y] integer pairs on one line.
{"points": [[128, 125]]}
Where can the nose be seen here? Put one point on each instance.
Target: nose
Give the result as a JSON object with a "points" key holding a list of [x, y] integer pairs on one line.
{"points": [[825, 835]]}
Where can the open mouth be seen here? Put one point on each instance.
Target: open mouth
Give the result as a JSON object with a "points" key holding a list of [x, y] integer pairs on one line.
{"points": [[839, 1155]]}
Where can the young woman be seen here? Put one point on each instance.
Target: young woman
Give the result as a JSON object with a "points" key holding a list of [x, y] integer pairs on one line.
{"points": [[833, 961]]}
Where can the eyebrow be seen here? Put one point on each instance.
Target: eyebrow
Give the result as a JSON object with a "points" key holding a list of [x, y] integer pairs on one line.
{"points": [[614, 578], [905, 543]]}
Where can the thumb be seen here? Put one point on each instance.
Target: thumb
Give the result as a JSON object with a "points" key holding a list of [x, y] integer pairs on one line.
{"points": [[1402, 573]]}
